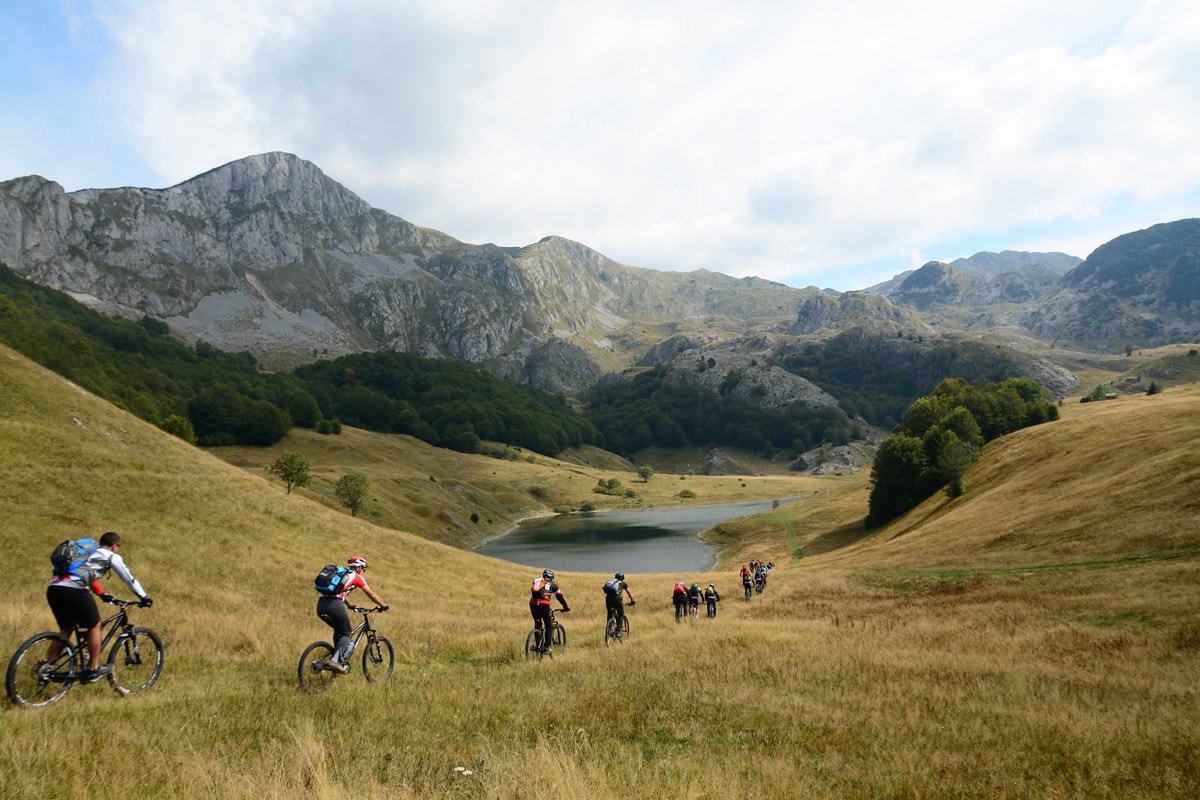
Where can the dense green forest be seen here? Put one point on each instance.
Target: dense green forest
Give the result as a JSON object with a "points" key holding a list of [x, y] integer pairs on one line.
{"points": [[220, 398], [444, 402], [940, 435], [648, 411], [877, 377]]}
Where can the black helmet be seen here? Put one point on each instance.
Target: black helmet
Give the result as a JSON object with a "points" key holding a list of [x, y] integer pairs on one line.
{"points": [[620, 576], [548, 574]]}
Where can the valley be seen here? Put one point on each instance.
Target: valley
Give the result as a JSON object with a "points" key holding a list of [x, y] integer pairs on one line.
{"points": [[1038, 636]]}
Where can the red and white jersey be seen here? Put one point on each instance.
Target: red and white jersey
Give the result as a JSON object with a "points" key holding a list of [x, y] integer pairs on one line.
{"points": [[355, 580]]}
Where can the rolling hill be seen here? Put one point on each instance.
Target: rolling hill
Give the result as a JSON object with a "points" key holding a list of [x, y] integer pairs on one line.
{"points": [[1037, 637]]}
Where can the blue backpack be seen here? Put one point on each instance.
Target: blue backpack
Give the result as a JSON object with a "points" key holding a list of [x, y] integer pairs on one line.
{"points": [[71, 558], [331, 579]]}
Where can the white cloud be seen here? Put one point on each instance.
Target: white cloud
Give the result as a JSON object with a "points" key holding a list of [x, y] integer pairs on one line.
{"points": [[788, 140]]}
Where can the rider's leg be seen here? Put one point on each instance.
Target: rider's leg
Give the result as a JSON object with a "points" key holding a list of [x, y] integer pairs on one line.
{"points": [[333, 611]]}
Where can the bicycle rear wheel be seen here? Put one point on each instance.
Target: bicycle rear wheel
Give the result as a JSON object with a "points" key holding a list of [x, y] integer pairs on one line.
{"points": [[378, 660], [137, 660], [610, 631], [531, 645], [33, 680], [315, 675]]}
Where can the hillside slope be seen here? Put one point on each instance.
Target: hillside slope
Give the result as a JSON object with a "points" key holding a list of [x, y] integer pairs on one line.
{"points": [[836, 682], [1107, 481]]}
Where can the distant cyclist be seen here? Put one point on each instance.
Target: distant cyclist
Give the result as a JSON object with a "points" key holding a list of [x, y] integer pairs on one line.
{"points": [[542, 590], [694, 594], [614, 602], [331, 608], [73, 606], [679, 598], [711, 598]]}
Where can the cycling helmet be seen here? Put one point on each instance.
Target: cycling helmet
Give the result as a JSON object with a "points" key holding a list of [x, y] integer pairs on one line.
{"points": [[620, 576], [548, 574], [356, 561], [695, 586]]}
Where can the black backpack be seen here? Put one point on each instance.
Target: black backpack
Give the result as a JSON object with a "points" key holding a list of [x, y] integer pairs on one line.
{"points": [[331, 579]]}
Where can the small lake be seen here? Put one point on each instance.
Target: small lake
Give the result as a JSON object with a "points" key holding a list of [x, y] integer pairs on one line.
{"points": [[643, 540]]}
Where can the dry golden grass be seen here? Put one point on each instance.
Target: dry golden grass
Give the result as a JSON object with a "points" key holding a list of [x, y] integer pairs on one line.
{"points": [[433, 492], [997, 658]]}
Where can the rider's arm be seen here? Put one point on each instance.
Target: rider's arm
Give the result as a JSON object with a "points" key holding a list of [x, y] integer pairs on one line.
{"points": [[359, 580], [118, 566]]}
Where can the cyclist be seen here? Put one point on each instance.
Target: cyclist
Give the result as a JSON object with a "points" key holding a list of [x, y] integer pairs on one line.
{"points": [[746, 582], [614, 603], [711, 598], [694, 593], [679, 598], [73, 606], [542, 590], [760, 575], [331, 608]]}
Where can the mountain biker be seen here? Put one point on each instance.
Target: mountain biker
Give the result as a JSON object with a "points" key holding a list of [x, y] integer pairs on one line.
{"points": [[331, 608], [745, 573], [711, 598], [73, 606], [679, 598], [694, 593], [614, 603], [539, 606], [760, 577], [746, 582]]}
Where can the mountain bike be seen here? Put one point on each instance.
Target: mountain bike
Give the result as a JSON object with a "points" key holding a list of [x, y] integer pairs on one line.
{"points": [[617, 628], [746, 586], [712, 606], [760, 584], [378, 658], [558, 640], [34, 679]]}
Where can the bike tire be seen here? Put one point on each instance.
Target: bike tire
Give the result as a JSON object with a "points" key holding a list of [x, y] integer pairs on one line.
{"points": [[610, 631], [378, 659], [314, 676], [624, 628], [29, 683], [133, 668], [558, 641], [531, 643]]}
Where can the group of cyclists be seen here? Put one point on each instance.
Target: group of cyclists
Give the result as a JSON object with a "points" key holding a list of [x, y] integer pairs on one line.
{"points": [[687, 600], [755, 576]]}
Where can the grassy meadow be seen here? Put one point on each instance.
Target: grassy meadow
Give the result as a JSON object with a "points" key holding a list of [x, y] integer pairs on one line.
{"points": [[1037, 637]]}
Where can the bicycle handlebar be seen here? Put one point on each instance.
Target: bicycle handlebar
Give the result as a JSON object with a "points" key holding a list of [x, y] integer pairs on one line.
{"points": [[364, 610]]}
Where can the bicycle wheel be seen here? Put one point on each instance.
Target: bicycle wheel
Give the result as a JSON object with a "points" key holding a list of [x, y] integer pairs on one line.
{"points": [[33, 680], [531, 644], [624, 629], [558, 641], [610, 631], [315, 676], [378, 660], [137, 661]]}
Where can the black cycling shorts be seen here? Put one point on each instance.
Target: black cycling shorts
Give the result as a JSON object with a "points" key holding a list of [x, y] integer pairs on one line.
{"points": [[72, 607]]}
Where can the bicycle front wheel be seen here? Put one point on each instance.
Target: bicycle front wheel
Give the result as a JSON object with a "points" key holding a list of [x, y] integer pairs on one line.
{"points": [[378, 660], [315, 675], [624, 628], [559, 641], [33, 680], [137, 660]]}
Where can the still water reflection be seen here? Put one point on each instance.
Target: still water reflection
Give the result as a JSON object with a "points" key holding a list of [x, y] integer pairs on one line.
{"points": [[645, 540]]}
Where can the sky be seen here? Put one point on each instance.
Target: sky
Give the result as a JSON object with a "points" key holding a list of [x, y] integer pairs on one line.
{"points": [[805, 141]]}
